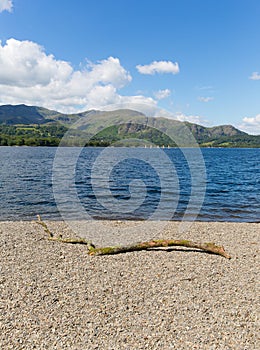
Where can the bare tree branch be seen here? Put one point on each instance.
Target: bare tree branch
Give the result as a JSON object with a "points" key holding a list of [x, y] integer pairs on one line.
{"points": [[208, 247], [92, 250]]}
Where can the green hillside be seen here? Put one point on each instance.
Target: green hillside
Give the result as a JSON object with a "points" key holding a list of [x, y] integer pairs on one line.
{"points": [[21, 114], [38, 126]]}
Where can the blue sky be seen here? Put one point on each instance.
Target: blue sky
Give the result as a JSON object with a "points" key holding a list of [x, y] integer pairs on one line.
{"points": [[199, 60]]}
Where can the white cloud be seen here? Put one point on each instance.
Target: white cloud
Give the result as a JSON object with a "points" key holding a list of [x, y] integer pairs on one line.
{"points": [[161, 94], [25, 64], [28, 75], [255, 76], [110, 71], [190, 118], [251, 125], [159, 67], [6, 5], [146, 105], [205, 99]]}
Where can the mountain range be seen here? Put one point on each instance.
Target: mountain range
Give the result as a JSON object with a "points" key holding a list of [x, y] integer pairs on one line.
{"points": [[19, 123]]}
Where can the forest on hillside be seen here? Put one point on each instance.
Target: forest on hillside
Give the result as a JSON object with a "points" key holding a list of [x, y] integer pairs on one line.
{"points": [[51, 135]]}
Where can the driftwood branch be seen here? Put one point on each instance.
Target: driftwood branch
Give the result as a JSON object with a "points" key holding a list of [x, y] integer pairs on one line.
{"points": [[208, 247], [61, 239], [92, 250]]}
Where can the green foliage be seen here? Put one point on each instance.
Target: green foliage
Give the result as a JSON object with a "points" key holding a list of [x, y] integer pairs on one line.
{"points": [[133, 133], [236, 141], [34, 135], [118, 135]]}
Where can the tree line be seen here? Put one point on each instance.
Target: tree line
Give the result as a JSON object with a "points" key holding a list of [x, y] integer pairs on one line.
{"points": [[51, 135]]}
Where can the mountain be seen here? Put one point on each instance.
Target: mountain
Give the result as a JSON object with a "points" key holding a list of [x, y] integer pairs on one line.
{"points": [[216, 131], [106, 127], [27, 115], [22, 114]]}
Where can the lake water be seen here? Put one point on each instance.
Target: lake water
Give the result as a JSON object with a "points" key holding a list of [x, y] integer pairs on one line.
{"points": [[130, 183]]}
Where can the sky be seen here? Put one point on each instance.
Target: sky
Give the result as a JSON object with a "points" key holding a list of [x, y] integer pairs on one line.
{"points": [[194, 60]]}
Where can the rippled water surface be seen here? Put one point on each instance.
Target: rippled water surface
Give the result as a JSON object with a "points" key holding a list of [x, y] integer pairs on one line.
{"points": [[130, 183]]}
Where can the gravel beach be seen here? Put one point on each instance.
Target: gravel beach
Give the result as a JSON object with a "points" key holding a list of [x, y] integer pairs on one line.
{"points": [[56, 296]]}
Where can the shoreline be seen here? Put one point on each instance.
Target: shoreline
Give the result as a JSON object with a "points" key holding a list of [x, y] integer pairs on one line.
{"points": [[56, 296], [172, 147]]}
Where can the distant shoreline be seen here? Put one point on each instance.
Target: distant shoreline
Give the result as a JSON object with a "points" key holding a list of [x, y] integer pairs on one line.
{"points": [[38, 126], [90, 146]]}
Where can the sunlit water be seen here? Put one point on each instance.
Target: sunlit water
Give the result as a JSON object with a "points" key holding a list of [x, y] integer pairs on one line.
{"points": [[131, 183]]}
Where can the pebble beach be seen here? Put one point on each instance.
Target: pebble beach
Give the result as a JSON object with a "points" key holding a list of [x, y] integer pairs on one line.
{"points": [[55, 296]]}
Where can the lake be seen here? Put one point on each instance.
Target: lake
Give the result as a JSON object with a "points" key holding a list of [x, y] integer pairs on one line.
{"points": [[130, 183]]}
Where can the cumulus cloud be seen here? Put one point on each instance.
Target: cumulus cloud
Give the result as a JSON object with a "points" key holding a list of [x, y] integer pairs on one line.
{"points": [[255, 76], [251, 125], [205, 99], [25, 64], [29, 75], [146, 105], [161, 94], [190, 118], [6, 5], [159, 67], [109, 71]]}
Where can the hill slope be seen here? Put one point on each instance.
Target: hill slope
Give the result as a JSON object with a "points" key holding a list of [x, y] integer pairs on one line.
{"points": [[114, 126], [21, 114]]}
